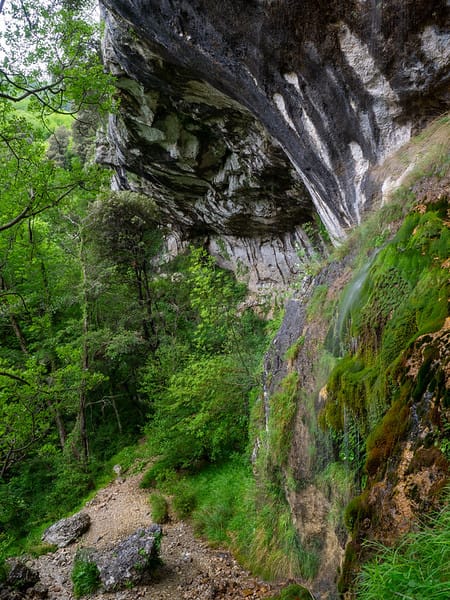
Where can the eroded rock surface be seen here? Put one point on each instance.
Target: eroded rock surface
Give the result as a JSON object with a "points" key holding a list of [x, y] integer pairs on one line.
{"points": [[131, 561], [243, 118], [67, 531]]}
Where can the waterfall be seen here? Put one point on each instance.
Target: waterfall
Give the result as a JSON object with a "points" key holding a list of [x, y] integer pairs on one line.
{"points": [[339, 344]]}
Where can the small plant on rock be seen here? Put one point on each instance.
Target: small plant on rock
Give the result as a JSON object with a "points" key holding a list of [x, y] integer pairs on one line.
{"points": [[85, 577]]}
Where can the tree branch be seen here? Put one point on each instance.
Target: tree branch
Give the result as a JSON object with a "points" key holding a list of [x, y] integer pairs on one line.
{"points": [[14, 377], [23, 215], [48, 87]]}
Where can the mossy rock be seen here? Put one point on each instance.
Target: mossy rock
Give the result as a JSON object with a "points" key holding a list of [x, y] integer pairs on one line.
{"points": [[382, 441], [294, 591]]}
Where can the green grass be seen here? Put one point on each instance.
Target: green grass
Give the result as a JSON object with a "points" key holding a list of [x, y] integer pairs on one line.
{"points": [[249, 518], [416, 569], [159, 508], [85, 577], [293, 592]]}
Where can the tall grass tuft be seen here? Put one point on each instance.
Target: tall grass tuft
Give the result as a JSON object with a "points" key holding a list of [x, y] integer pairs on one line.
{"points": [[416, 569], [249, 518]]}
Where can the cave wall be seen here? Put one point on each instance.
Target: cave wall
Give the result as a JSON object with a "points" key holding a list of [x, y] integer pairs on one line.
{"points": [[245, 118]]}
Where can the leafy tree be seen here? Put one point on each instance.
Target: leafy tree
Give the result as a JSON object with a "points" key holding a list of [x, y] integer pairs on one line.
{"points": [[124, 230], [24, 413], [199, 380], [204, 412], [51, 60]]}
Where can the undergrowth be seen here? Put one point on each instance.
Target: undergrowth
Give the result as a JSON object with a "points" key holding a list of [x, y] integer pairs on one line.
{"points": [[159, 508], [417, 568], [85, 577], [293, 592], [252, 519]]}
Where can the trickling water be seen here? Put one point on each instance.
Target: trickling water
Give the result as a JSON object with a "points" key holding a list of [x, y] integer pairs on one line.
{"points": [[339, 343], [375, 9]]}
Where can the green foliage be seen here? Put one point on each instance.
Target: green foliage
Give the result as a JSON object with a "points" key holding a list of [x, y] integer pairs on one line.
{"points": [[417, 568], [199, 379], [86, 300], [294, 591], [203, 414], [214, 295], [85, 577], [50, 55], [159, 508], [283, 406], [228, 507]]}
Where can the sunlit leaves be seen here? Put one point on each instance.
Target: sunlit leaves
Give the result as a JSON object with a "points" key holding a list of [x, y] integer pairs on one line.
{"points": [[50, 53]]}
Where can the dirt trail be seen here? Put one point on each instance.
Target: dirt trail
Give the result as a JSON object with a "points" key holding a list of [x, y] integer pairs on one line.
{"points": [[191, 569]]}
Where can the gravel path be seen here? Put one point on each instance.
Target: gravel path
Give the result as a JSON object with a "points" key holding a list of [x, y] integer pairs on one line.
{"points": [[191, 569]]}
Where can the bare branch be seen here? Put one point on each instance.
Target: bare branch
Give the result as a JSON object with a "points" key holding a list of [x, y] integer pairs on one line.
{"points": [[48, 87]]}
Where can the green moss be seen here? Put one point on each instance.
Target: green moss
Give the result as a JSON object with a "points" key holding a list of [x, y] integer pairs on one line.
{"points": [[383, 440], [283, 406], [293, 592], [349, 386], [356, 511], [292, 352], [318, 302], [403, 297]]}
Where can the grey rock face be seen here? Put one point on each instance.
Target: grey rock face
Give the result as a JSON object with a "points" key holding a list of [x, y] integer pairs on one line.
{"points": [[231, 110], [66, 531], [6, 593], [20, 576], [130, 562]]}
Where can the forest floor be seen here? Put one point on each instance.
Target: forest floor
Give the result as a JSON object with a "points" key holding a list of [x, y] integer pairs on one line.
{"points": [[191, 569]]}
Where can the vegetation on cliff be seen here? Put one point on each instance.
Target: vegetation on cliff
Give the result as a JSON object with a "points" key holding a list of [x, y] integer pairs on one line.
{"points": [[106, 340]]}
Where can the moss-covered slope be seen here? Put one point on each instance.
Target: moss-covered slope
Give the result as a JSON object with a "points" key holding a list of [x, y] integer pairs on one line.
{"points": [[370, 436]]}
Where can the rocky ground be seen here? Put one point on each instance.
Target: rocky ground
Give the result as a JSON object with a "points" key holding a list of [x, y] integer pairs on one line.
{"points": [[191, 570]]}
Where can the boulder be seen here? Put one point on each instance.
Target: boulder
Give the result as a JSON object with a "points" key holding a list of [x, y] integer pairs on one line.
{"points": [[20, 576], [66, 531], [7, 593], [37, 592], [131, 562]]}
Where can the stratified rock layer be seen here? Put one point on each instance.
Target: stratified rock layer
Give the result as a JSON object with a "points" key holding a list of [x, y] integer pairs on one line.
{"points": [[243, 118]]}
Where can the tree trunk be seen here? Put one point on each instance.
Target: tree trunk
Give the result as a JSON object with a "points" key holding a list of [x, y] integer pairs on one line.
{"points": [[84, 359]]}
